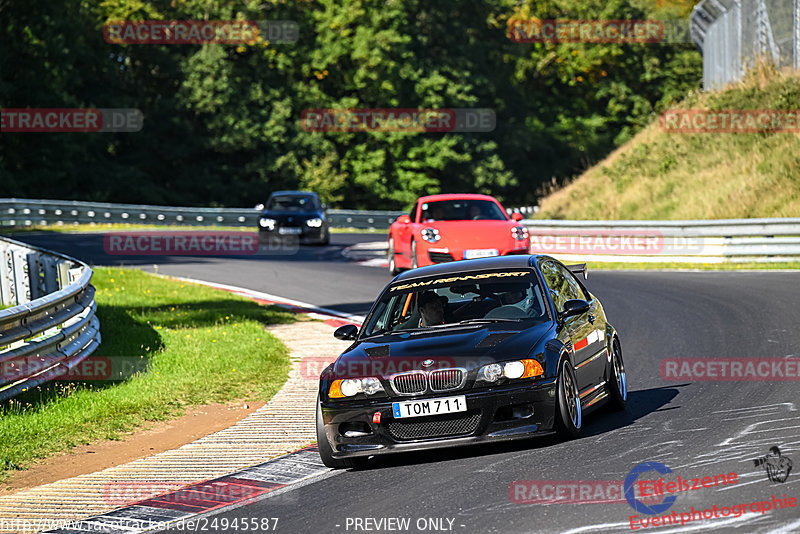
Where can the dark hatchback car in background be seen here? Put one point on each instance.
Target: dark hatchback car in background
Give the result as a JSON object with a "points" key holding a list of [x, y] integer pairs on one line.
{"points": [[469, 352], [294, 215]]}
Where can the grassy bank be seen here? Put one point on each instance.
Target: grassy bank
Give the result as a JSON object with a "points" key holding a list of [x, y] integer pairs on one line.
{"points": [[660, 175], [200, 345]]}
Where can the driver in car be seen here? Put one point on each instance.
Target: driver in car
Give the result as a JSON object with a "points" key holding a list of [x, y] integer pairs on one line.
{"points": [[431, 309], [433, 213], [513, 295]]}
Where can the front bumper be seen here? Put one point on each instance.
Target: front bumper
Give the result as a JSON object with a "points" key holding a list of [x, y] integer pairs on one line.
{"points": [[306, 233], [493, 407], [432, 254]]}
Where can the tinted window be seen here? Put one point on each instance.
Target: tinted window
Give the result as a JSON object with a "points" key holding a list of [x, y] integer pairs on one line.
{"points": [[560, 287], [413, 214], [514, 295], [292, 203], [462, 210], [574, 285]]}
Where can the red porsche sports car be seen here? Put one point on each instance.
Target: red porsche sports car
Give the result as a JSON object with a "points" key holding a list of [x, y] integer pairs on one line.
{"points": [[442, 228]]}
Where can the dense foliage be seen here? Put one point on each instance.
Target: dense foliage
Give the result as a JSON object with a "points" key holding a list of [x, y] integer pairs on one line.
{"points": [[222, 121]]}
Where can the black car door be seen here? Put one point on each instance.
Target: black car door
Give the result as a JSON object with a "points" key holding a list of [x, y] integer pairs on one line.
{"points": [[577, 329], [594, 320]]}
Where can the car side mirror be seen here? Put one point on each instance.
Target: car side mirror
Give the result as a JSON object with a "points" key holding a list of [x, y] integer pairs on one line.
{"points": [[348, 332], [574, 307], [324, 206], [517, 216], [404, 219]]}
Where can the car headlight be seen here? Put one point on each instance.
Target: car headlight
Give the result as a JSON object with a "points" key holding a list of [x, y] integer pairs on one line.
{"points": [[349, 387], [266, 222], [520, 233], [491, 372], [316, 222], [511, 370], [431, 235]]}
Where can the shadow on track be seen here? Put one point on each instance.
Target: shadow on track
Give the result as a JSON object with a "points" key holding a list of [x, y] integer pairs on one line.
{"points": [[640, 404]]}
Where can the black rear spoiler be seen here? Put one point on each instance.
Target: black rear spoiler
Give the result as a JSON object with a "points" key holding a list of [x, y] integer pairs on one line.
{"points": [[579, 269]]}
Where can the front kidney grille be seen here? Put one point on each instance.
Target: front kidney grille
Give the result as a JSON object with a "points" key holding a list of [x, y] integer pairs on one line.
{"points": [[446, 379], [438, 380], [410, 383], [434, 427]]}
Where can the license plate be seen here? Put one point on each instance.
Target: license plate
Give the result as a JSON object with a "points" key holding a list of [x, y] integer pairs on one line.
{"points": [[289, 231], [422, 408], [480, 253]]}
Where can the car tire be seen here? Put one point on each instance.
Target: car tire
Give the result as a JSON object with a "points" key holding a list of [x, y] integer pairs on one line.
{"points": [[569, 416], [414, 261], [618, 384], [326, 452], [390, 253]]}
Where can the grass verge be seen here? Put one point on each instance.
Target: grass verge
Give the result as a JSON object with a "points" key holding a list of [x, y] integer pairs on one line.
{"points": [[200, 345]]}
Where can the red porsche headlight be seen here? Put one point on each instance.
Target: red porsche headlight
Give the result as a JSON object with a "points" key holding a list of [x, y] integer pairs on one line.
{"points": [[520, 233], [431, 235]]}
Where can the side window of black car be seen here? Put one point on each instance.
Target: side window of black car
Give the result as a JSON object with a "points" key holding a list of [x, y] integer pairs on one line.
{"points": [[575, 286], [559, 288]]}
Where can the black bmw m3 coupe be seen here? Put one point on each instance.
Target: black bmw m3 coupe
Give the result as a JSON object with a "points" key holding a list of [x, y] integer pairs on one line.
{"points": [[468, 352], [294, 215]]}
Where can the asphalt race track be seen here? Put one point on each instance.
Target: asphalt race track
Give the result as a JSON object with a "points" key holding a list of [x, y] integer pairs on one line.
{"points": [[697, 429]]}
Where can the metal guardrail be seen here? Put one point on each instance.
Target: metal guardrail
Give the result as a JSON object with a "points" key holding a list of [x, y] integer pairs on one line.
{"points": [[50, 326], [24, 212], [734, 34], [373, 220], [700, 241], [704, 241]]}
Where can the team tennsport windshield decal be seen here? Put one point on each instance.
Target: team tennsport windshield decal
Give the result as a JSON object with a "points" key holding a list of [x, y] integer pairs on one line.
{"points": [[463, 278]]}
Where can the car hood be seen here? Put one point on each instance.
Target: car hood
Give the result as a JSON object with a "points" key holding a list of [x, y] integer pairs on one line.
{"points": [[471, 234], [469, 347]]}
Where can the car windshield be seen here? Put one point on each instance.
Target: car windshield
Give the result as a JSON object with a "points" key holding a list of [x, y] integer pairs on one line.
{"points": [[457, 299], [462, 210], [292, 203]]}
